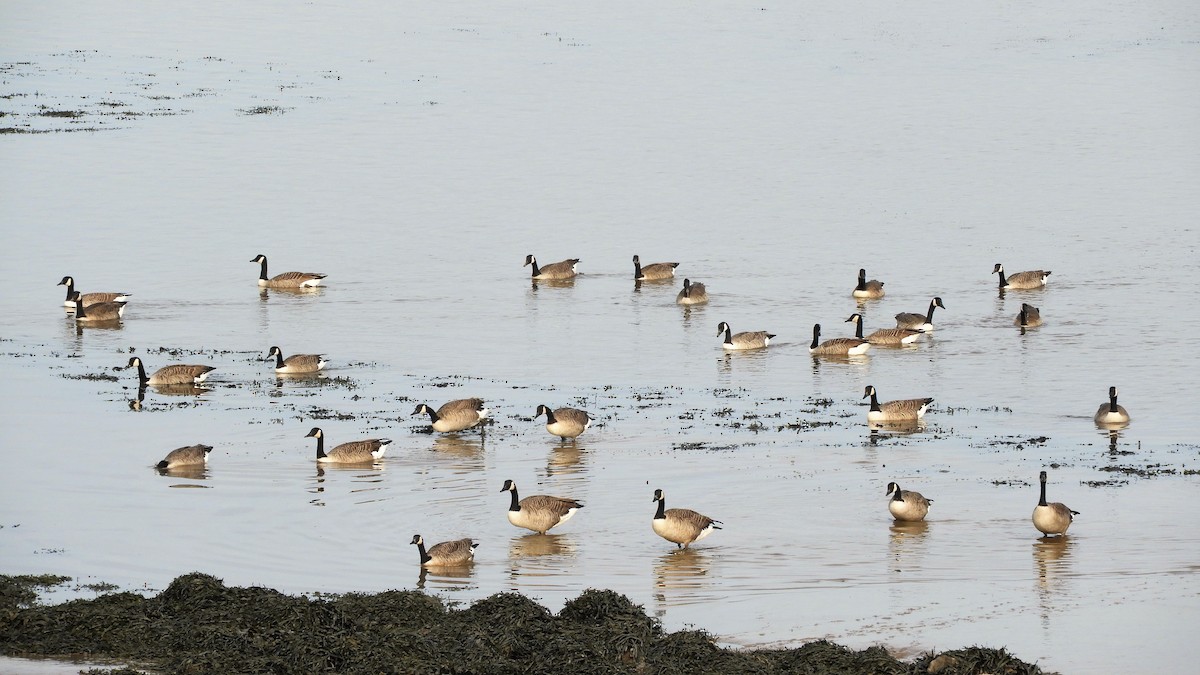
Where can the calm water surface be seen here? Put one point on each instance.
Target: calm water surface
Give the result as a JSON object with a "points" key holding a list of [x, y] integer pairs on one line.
{"points": [[415, 154]]}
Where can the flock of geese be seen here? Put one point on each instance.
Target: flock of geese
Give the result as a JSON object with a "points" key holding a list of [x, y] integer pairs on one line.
{"points": [[540, 513]]}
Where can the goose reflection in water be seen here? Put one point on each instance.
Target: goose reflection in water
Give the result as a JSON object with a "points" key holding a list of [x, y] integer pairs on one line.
{"points": [[685, 569], [447, 578], [564, 460], [537, 545], [1052, 563]]}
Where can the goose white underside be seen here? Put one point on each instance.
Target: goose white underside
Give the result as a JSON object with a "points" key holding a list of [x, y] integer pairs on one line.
{"points": [[1049, 521], [1112, 418], [902, 510], [736, 346], [289, 370]]}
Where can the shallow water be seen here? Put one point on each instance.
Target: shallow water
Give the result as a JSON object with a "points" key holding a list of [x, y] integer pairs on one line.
{"points": [[415, 155]]}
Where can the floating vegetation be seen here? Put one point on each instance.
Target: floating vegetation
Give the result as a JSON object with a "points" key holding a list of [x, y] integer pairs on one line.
{"points": [[263, 110], [105, 377], [200, 625]]}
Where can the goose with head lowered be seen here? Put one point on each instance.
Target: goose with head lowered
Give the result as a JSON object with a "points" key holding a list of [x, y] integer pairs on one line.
{"points": [[175, 374], [353, 452], [892, 337], [287, 279], [745, 340], [191, 455], [455, 415], [558, 271], [915, 321], [682, 527], [1021, 280], [564, 422], [539, 512], [89, 299], [836, 346], [446, 554], [1028, 317], [1053, 517]]}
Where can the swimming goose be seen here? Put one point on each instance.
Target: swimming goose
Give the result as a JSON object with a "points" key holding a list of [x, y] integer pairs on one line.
{"points": [[903, 410], [564, 422], [99, 312], [746, 340], [654, 272], [1028, 317], [192, 455], [353, 452], [178, 373], [456, 415], [539, 512], [867, 289], [89, 299], [692, 294], [560, 270], [287, 279], [914, 321], [906, 505], [836, 346], [447, 553], [1052, 518], [296, 364], [884, 336], [1021, 280], [1111, 413], [680, 526]]}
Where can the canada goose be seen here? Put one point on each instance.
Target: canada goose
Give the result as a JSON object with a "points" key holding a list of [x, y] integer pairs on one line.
{"points": [[907, 505], [1111, 413], [174, 374], [191, 455], [884, 336], [745, 340], [447, 553], [1028, 317], [455, 415], [680, 526], [539, 512], [559, 270], [564, 422], [1021, 280], [837, 346], [89, 299], [287, 279], [1053, 518], [296, 364], [353, 452], [654, 272], [692, 294], [914, 321], [903, 410], [99, 312], [867, 289]]}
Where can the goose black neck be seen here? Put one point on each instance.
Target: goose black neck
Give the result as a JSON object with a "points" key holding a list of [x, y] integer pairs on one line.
{"points": [[687, 288], [896, 497], [1042, 498], [662, 510], [320, 446], [816, 336], [858, 329], [728, 335], [1024, 316], [533, 264], [929, 315], [515, 504], [79, 311], [1003, 281], [425, 557], [637, 269], [142, 378], [70, 291], [874, 402], [433, 416], [279, 359], [862, 281], [263, 273], [1112, 403], [550, 419]]}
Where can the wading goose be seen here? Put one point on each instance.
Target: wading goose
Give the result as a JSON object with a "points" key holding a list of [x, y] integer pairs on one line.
{"points": [[747, 340], [539, 512], [1111, 413], [867, 289], [89, 299], [296, 364], [1028, 317], [903, 410], [914, 321], [559, 270], [680, 526], [447, 553], [692, 294], [287, 279], [99, 312], [192, 455], [1052, 518], [354, 452], [174, 374], [456, 415], [564, 422], [654, 272], [836, 346], [907, 505], [1021, 280], [884, 336]]}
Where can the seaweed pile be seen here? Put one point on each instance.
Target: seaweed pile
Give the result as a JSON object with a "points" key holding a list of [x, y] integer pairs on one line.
{"points": [[199, 625]]}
